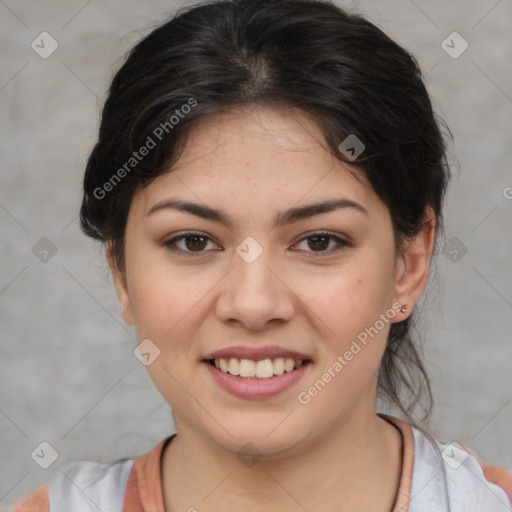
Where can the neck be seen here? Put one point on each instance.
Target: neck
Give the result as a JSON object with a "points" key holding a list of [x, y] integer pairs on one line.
{"points": [[331, 474]]}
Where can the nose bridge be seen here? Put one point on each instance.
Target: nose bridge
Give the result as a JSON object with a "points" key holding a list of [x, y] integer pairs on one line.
{"points": [[252, 266], [254, 293]]}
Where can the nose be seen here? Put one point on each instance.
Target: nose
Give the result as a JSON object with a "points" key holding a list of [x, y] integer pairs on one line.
{"points": [[255, 293]]}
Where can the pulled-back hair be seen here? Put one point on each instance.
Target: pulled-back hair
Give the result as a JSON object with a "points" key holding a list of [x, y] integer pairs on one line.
{"points": [[308, 56]]}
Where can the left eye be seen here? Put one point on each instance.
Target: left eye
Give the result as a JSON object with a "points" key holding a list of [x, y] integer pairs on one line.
{"points": [[322, 241], [196, 243]]}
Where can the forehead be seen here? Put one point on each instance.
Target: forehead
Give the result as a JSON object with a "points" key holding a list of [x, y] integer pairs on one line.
{"points": [[256, 159], [255, 135]]}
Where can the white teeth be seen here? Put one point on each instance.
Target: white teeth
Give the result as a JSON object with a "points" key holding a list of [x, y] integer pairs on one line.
{"points": [[263, 369], [288, 365], [279, 366], [247, 368], [234, 366]]}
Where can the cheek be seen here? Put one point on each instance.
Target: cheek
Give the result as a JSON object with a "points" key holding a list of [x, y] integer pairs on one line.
{"points": [[163, 308], [169, 308], [350, 299], [356, 334], [168, 303], [350, 304]]}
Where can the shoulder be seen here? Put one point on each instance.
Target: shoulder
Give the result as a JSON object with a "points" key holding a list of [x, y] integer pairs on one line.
{"points": [[89, 486], [81, 485], [447, 476], [36, 501]]}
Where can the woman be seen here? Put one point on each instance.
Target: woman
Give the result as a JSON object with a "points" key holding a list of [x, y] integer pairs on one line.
{"points": [[268, 182]]}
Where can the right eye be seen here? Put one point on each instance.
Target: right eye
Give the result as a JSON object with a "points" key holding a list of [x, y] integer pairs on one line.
{"points": [[189, 242]]}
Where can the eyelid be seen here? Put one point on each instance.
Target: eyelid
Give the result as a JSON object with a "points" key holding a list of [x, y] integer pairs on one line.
{"points": [[341, 243], [340, 240], [169, 243]]}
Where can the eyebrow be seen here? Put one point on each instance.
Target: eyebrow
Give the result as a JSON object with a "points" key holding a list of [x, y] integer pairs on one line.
{"points": [[288, 217]]}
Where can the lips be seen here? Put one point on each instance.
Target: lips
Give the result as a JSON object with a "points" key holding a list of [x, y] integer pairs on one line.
{"points": [[256, 372], [256, 353]]}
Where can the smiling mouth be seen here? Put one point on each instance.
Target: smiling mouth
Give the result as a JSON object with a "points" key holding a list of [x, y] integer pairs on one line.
{"points": [[263, 369]]}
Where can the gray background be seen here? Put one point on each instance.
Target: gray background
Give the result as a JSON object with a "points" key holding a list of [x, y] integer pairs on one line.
{"points": [[69, 376]]}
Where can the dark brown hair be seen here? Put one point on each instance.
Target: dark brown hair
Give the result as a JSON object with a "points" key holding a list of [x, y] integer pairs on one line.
{"points": [[307, 55]]}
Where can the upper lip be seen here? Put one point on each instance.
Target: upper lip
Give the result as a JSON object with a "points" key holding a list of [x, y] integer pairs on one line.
{"points": [[256, 353]]}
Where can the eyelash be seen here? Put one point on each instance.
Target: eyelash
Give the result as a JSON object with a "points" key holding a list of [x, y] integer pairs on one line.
{"points": [[341, 244]]}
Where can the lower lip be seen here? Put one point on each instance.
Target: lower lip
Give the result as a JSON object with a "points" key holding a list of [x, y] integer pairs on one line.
{"points": [[246, 387]]}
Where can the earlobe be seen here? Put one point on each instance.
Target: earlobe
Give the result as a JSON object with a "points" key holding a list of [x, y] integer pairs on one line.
{"points": [[413, 265], [120, 286]]}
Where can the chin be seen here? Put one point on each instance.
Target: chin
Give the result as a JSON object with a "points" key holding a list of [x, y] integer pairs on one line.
{"points": [[261, 437]]}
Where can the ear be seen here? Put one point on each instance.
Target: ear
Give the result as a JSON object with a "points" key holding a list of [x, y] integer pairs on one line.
{"points": [[120, 284], [413, 264]]}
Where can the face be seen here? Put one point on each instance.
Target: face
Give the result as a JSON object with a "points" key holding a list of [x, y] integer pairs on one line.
{"points": [[266, 284]]}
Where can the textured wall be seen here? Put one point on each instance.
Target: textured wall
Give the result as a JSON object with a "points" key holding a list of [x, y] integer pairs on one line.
{"points": [[68, 373]]}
